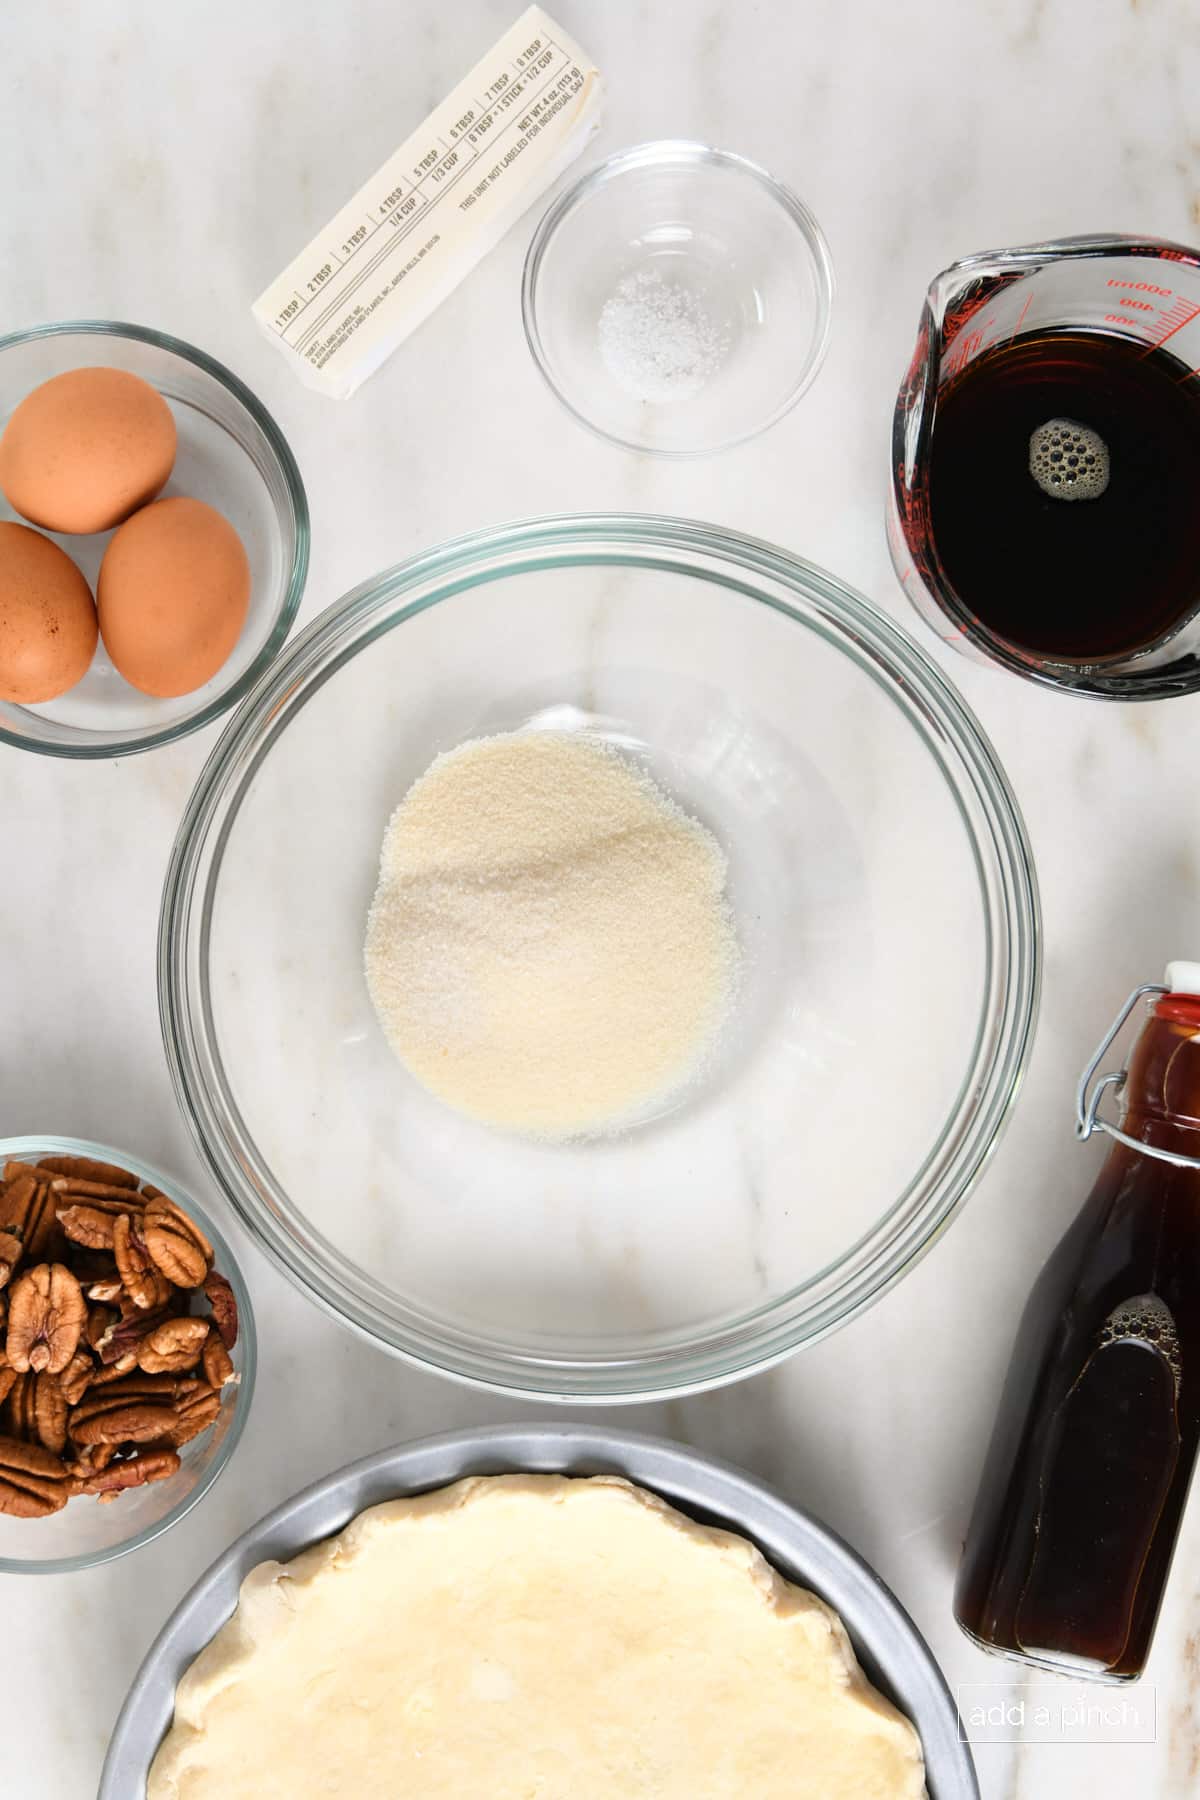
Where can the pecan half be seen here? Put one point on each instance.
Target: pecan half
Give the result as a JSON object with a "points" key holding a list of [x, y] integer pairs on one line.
{"points": [[33, 1482], [217, 1362], [43, 1240], [143, 1283], [137, 1410], [125, 1337], [50, 1413], [137, 1423], [108, 1290], [100, 1193], [224, 1307], [173, 1346], [179, 1247], [18, 1421], [177, 1302], [76, 1378], [155, 1464], [30, 1207], [195, 1411], [92, 1460], [21, 1171], [36, 1412], [83, 1168], [161, 1389], [15, 1198], [11, 1251], [100, 1321], [90, 1226], [7, 1377], [46, 1314]]}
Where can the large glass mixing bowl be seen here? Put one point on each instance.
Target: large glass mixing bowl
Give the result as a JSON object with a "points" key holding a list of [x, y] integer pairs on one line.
{"points": [[887, 909]]}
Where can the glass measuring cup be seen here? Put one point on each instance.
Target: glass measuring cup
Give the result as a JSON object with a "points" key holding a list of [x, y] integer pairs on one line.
{"points": [[1138, 289]]}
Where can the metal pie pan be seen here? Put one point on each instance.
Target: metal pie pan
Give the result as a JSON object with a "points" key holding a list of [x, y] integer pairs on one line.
{"points": [[888, 1644]]}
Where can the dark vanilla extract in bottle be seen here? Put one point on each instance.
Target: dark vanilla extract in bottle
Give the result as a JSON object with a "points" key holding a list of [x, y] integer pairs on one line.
{"points": [[1062, 492], [1069, 1548]]}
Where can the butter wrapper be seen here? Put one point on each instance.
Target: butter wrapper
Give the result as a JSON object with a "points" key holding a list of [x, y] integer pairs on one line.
{"points": [[435, 208]]}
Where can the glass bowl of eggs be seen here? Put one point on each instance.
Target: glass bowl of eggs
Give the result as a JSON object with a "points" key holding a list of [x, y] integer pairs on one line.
{"points": [[153, 539]]}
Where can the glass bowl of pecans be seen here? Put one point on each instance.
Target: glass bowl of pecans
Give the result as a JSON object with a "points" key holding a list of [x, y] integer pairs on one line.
{"points": [[127, 1354]]}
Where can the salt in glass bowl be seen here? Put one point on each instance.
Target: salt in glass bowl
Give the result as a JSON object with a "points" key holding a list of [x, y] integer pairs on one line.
{"points": [[86, 1533], [884, 896], [232, 455], [705, 236]]}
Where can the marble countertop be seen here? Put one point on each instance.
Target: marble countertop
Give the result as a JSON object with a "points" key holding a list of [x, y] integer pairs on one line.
{"points": [[161, 165]]}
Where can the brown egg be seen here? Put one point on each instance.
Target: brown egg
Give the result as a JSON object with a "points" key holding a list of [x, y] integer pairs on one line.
{"points": [[173, 594], [86, 449], [47, 618]]}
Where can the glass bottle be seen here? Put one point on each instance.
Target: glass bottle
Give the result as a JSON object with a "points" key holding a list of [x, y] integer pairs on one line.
{"points": [[1084, 1486]]}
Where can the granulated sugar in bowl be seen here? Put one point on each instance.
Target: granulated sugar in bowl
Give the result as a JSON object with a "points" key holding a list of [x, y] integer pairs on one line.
{"points": [[549, 948], [819, 936]]}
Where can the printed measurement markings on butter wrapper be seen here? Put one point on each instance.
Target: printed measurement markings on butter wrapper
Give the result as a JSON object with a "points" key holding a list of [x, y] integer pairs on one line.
{"points": [[435, 209]]}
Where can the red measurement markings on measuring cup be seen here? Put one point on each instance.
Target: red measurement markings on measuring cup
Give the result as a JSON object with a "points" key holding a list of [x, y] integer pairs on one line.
{"points": [[1179, 315], [965, 348], [1139, 302], [970, 344], [1151, 310]]}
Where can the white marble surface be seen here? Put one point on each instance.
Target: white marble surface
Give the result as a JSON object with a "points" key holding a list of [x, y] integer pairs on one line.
{"points": [[161, 164]]}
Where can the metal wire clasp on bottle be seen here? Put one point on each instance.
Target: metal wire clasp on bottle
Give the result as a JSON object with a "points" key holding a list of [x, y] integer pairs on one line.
{"points": [[1087, 1103]]}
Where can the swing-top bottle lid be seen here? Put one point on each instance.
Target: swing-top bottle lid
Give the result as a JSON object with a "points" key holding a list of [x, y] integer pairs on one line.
{"points": [[1182, 978]]}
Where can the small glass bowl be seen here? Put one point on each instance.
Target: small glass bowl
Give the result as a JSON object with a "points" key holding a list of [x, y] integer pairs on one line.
{"points": [[677, 299], [85, 1533], [232, 455]]}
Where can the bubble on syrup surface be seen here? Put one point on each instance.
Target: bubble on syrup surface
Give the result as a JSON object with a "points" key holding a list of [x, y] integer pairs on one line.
{"points": [[1069, 461], [1145, 1319]]}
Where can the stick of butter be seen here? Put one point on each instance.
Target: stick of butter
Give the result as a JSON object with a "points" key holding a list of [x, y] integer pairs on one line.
{"points": [[436, 207]]}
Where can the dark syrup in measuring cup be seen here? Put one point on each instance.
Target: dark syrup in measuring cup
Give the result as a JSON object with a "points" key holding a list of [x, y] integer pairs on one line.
{"points": [[1063, 493]]}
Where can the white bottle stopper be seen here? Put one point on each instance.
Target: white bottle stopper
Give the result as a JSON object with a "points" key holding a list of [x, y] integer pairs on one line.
{"points": [[1182, 977]]}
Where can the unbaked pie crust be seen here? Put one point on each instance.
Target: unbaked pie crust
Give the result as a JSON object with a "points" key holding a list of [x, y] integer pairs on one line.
{"points": [[532, 1637]]}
